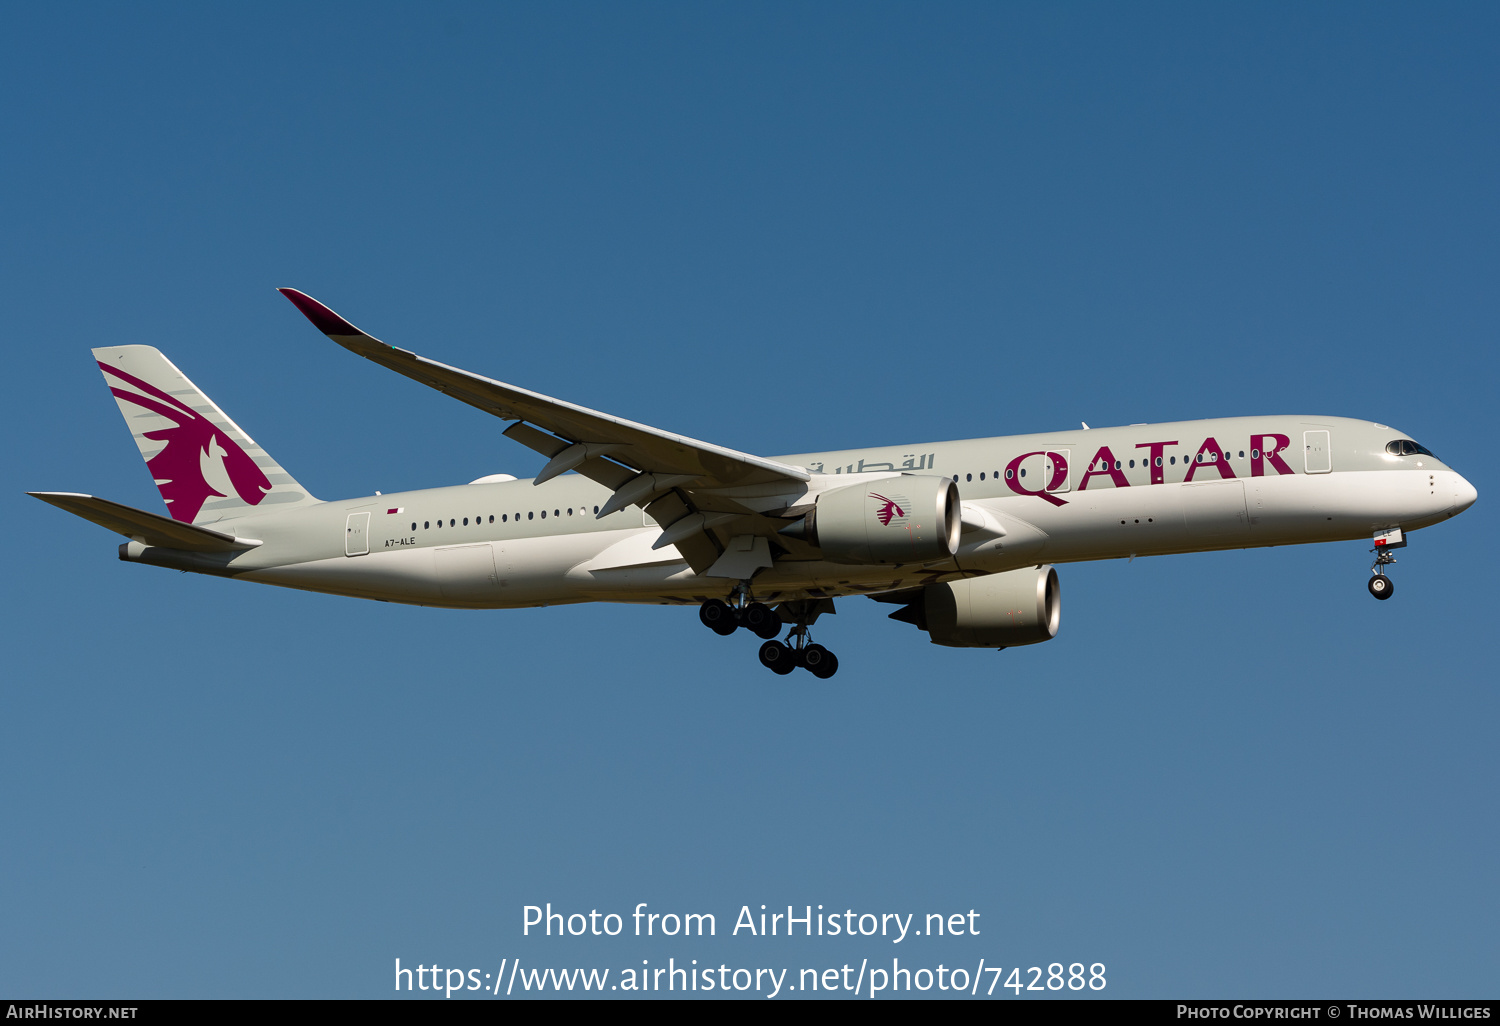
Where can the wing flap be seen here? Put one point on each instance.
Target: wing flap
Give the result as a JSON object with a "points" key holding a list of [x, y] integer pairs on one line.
{"points": [[146, 528]]}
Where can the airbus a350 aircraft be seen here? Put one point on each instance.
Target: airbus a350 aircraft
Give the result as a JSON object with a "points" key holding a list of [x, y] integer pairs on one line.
{"points": [[961, 535]]}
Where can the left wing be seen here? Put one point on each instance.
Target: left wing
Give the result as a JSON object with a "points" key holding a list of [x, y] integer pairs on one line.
{"points": [[643, 465]]}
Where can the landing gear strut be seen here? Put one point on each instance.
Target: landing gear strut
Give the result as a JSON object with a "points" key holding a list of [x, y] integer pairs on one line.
{"points": [[724, 618], [1381, 586]]}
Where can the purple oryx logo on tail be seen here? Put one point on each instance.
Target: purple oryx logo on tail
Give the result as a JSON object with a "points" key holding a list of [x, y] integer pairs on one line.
{"points": [[195, 454]]}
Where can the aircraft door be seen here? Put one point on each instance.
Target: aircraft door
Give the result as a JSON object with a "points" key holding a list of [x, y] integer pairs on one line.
{"points": [[1055, 467], [1317, 452], [357, 534], [1045, 471]]}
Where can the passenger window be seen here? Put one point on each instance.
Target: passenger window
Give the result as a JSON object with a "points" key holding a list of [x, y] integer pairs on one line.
{"points": [[1158, 461], [504, 518], [451, 523], [1174, 461], [981, 475], [492, 518], [531, 515], [413, 527], [1009, 474], [968, 477], [596, 510], [556, 513], [1117, 464], [466, 521], [1242, 454], [1132, 464], [424, 525], [570, 511], [1255, 454]]}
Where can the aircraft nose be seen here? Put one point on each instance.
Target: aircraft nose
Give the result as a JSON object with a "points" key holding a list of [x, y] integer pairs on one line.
{"points": [[1464, 494]]}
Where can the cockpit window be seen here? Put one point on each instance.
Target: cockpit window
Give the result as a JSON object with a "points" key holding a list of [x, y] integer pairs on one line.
{"points": [[1406, 447]]}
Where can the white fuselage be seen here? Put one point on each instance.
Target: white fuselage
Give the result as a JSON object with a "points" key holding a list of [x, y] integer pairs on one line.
{"points": [[1054, 498]]}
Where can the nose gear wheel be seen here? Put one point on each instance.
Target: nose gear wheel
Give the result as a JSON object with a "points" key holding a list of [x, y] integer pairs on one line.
{"points": [[1381, 586]]}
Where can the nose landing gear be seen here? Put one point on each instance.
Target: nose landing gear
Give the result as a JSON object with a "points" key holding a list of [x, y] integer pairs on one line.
{"points": [[724, 618], [1381, 586]]}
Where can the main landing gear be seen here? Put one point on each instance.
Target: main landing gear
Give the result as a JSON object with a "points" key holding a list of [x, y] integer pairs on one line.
{"points": [[724, 619], [764, 622], [783, 659]]}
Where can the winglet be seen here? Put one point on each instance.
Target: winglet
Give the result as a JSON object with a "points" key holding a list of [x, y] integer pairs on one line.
{"points": [[324, 319]]}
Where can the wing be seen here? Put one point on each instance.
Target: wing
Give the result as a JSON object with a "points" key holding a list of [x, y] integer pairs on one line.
{"points": [[672, 476]]}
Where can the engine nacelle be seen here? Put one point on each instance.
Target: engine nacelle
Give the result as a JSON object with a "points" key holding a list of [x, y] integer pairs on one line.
{"points": [[907, 519], [1020, 607]]}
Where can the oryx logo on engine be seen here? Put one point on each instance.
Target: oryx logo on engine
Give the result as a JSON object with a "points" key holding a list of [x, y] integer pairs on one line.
{"points": [[891, 510]]}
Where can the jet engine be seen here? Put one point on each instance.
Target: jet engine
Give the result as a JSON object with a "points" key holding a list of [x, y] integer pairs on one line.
{"points": [[1019, 607], [907, 519]]}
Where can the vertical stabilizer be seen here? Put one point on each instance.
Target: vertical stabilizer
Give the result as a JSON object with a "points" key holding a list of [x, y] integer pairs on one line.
{"points": [[205, 466]]}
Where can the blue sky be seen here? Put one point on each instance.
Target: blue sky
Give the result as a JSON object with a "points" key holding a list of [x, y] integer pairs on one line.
{"points": [[780, 228]]}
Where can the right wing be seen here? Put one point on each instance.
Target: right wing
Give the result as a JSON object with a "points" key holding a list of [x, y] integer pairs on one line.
{"points": [[672, 476], [640, 447]]}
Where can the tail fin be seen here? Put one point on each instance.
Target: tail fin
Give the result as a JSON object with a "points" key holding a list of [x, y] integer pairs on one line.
{"points": [[206, 468]]}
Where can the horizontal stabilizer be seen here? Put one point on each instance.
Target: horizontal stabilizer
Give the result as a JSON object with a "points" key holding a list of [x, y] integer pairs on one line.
{"points": [[146, 528]]}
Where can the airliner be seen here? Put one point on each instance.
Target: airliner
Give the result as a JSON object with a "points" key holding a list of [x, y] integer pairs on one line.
{"points": [[962, 536]]}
